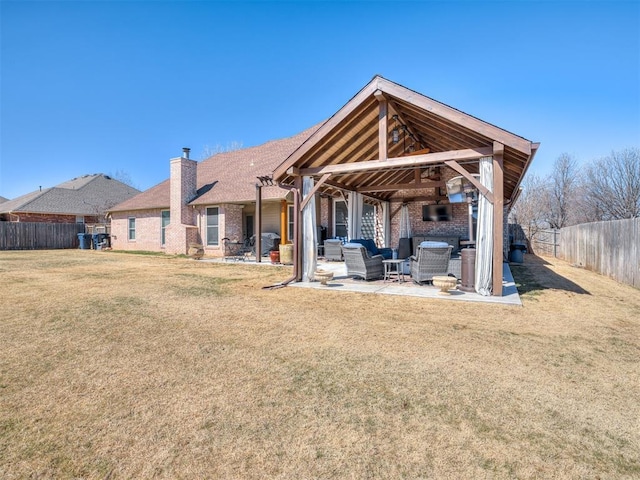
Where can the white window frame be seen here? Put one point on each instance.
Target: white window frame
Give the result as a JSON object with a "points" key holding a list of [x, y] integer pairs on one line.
{"points": [[163, 227], [290, 222], [131, 230], [212, 242]]}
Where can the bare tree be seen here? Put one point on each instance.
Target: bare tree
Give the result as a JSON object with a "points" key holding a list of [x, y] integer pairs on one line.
{"points": [[563, 190], [613, 185], [209, 151], [122, 176], [530, 210]]}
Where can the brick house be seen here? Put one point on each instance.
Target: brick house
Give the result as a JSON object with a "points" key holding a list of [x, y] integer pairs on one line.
{"points": [[204, 202], [389, 149], [83, 199]]}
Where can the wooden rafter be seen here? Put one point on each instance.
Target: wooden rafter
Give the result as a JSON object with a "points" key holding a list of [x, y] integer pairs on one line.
{"points": [[456, 116], [313, 191], [465, 173]]}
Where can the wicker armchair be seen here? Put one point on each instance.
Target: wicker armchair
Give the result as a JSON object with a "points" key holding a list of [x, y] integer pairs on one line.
{"points": [[333, 250], [360, 264], [429, 262]]}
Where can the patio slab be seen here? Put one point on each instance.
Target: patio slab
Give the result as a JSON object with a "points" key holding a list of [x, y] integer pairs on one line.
{"points": [[341, 282]]}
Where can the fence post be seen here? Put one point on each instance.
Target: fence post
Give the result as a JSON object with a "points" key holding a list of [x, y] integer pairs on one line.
{"points": [[555, 249]]}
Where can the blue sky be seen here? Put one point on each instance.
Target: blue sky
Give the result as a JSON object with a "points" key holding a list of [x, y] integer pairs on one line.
{"points": [[107, 87]]}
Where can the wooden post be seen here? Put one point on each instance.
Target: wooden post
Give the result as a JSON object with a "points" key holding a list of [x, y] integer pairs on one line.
{"points": [[382, 126], [258, 224], [498, 216], [297, 230]]}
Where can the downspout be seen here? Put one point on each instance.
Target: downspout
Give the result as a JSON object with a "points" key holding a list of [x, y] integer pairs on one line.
{"points": [[296, 238]]}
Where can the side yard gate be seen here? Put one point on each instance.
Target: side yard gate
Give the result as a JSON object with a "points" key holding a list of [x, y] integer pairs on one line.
{"points": [[39, 236]]}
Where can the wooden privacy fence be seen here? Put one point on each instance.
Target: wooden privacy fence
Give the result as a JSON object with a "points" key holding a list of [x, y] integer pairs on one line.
{"points": [[546, 242], [610, 248], [39, 236]]}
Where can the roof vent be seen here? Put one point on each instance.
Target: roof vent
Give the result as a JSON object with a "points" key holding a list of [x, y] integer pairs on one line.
{"points": [[185, 152]]}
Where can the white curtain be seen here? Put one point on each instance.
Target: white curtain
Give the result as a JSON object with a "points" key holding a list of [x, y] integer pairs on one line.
{"points": [[405, 222], [484, 240], [309, 245], [383, 225], [354, 219], [386, 220]]}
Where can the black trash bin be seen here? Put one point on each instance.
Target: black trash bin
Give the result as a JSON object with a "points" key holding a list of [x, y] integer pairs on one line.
{"points": [[84, 240], [517, 252], [100, 240]]}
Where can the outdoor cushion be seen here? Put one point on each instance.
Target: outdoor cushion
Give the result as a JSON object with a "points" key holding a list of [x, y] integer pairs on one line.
{"points": [[432, 244], [372, 249]]}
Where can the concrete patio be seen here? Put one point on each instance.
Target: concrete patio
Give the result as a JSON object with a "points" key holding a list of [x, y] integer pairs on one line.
{"points": [[343, 283]]}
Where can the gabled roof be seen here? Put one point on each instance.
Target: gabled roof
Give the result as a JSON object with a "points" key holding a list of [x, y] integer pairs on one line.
{"points": [[228, 177], [2, 199], [352, 136], [86, 195]]}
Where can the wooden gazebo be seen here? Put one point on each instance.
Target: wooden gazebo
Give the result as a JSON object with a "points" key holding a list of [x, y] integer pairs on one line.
{"points": [[357, 150]]}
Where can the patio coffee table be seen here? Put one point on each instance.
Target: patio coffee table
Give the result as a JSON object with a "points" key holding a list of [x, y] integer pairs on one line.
{"points": [[389, 270]]}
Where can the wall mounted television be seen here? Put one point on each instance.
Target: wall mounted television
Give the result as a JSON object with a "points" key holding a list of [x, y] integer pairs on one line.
{"points": [[437, 213]]}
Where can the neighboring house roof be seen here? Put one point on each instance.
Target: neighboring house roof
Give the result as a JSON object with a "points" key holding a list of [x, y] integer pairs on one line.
{"points": [[228, 177], [86, 195], [2, 199]]}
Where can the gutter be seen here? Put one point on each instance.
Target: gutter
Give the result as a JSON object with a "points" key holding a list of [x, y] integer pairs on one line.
{"points": [[296, 239]]}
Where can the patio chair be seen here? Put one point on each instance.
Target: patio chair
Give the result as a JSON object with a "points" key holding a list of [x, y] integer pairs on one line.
{"points": [[333, 250], [430, 262], [360, 264]]}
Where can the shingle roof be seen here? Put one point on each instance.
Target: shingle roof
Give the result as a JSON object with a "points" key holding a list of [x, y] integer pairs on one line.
{"points": [[2, 199], [227, 177], [87, 195]]}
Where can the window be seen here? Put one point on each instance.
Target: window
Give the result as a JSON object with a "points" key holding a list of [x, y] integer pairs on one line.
{"points": [[290, 223], [132, 228], [79, 219], [368, 225], [164, 222], [340, 219], [212, 226]]}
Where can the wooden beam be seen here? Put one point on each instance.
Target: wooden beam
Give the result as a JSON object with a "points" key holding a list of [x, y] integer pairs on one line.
{"points": [[455, 116], [421, 198], [297, 230], [329, 125], [534, 150], [498, 222], [413, 161], [463, 171], [383, 144], [417, 137], [400, 186], [313, 191]]}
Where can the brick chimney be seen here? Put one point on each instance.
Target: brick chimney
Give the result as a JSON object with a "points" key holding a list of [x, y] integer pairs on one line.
{"points": [[183, 185], [183, 181]]}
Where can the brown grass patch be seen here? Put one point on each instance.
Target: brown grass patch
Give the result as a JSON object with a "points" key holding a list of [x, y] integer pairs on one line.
{"points": [[128, 366]]}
